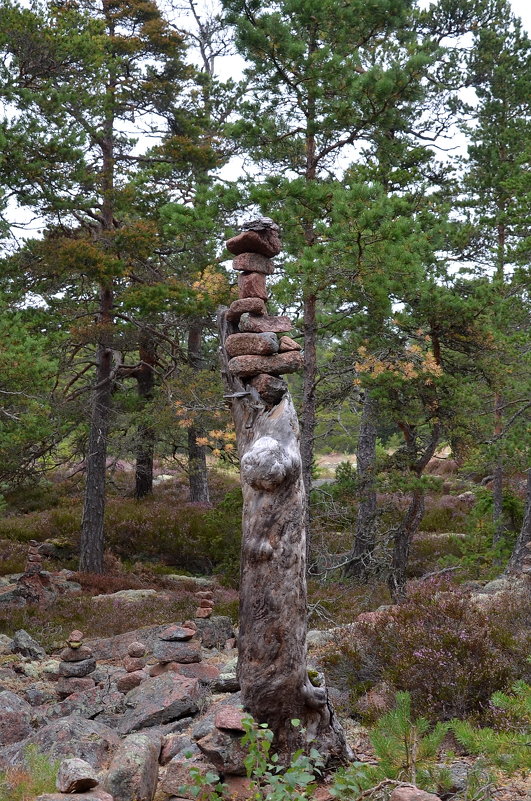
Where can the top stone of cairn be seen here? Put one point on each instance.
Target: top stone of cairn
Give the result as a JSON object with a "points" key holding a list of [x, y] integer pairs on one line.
{"points": [[258, 236]]}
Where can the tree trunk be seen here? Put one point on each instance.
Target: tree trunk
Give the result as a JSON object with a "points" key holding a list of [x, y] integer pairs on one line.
{"points": [[309, 404], [497, 484], [92, 524], [272, 666], [520, 560], [365, 536], [197, 466], [145, 377], [402, 542]]}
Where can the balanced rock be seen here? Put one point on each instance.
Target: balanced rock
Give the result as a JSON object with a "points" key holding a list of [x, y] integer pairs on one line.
{"points": [[252, 285], [133, 663], [206, 603], [266, 323], [253, 263], [270, 388], [75, 639], [205, 594], [130, 680], [244, 306], [251, 344], [77, 670], [75, 776], [179, 633], [167, 651], [287, 343], [75, 654], [267, 243], [278, 364], [203, 613]]}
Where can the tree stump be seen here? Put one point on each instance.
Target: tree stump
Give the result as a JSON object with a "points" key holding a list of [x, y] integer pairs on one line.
{"points": [[272, 666]]}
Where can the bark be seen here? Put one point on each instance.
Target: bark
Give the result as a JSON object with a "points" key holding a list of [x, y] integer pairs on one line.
{"points": [[402, 542], [272, 666], [145, 377], [197, 466], [309, 403], [497, 485], [365, 536], [521, 556], [92, 524]]}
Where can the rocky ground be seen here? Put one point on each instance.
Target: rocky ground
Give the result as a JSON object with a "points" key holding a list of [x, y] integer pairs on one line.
{"points": [[128, 716]]}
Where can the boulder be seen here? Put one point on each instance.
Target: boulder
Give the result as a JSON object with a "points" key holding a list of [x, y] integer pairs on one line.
{"points": [[225, 751], [134, 663], [178, 775], [252, 285], [261, 324], [215, 632], [267, 243], [39, 693], [73, 736], [24, 644], [76, 670], [87, 704], [173, 744], [67, 686], [129, 596], [6, 645], [116, 647], [411, 793], [203, 671], [186, 652], [253, 263], [255, 344], [245, 306], [160, 700], [279, 364], [15, 718], [76, 776], [230, 717], [133, 772]]}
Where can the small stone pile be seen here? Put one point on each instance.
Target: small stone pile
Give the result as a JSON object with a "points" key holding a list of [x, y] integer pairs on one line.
{"points": [[134, 663], [254, 350], [33, 559], [177, 646], [77, 662], [206, 604]]}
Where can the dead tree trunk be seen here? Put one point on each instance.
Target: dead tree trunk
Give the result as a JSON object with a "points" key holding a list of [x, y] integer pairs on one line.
{"points": [[365, 539], [520, 560], [272, 665]]}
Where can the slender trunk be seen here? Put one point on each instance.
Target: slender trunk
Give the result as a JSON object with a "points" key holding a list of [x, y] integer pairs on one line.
{"points": [[272, 667], [402, 542], [497, 485], [309, 403], [92, 524], [520, 560], [364, 542], [197, 466], [145, 377]]}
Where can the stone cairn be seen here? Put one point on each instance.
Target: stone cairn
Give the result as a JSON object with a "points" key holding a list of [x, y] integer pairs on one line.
{"points": [[33, 559], [77, 662], [206, 604], [35, 584], [177, 647], [259, 352], [134, 663]]}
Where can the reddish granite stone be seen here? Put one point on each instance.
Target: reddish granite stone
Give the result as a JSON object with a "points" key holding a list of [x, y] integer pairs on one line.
{"points": [[279, 364], [251, 344], [265, 324], [270, 388], [252, 285], [253, 263], [245, 305], [267, 243], [229, 717], [287, 343], [203, 612]]}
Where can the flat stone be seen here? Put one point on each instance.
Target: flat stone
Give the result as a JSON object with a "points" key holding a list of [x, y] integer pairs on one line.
{"points": [[161, 700], [251, 344], [266, 323], [203, 613], [179, 633], [287, 343], [230, 717], [253, 263], [412, 794], [136, 650], [206, 603], [66, 685], [270, 388], [97, 794], [75, 654], [75, 776], [131, 680], [134, 663], [203, 671], [15, 718], [129, 596], [267, 243], [205, 594], [252, 285], [77, 670], [75, 636], [244, 306], [134, 770], [279, 364], [167, 651]]}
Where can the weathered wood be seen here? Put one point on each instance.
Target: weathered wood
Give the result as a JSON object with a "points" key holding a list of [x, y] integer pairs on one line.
{"points": [[272, 665]]}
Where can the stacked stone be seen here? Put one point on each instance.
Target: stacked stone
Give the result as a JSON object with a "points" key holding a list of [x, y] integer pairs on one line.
{"points": [[206, 604], [77, 662], [33, 559], [258, 351], [176, 646], [134, 663]]}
